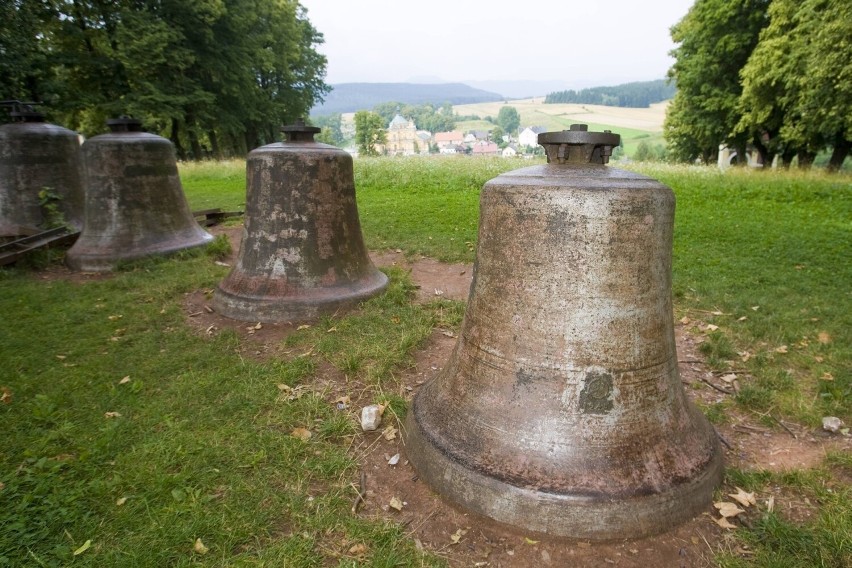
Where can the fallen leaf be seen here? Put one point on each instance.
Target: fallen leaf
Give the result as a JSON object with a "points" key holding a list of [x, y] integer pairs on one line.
{"points": [[5, 395], [394, 459], [827, 377], [744, 356], [711, 327], [395, 319], [743, 498], [395, 503], [112, 414], [220, 263], [83, 548], [389, 433], [456, 536], [60, 357], [728, 509], [439, 292], [755, 308], [199, 547], [824, 337], [724, 523], [729, 378], [819, 359], [685, 320], [125, 380], [115, 317], [358, 549], [121, 501], [717, 313], [303, 326], [781, 349], [743, 318], [530, 541], [331, 330], [302, 433]]}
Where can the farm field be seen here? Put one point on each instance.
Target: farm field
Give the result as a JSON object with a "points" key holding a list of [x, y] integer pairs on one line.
{"points": [[139, 429]]}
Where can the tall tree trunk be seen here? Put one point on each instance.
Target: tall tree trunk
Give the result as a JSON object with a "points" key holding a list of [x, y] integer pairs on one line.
{"points": [[787, 156], [766, 155], [214, 144], [806, 159], [838, 154], [175, 138]]}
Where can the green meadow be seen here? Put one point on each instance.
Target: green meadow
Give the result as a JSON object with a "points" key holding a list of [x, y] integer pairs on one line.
{"points": [[130, 438]]}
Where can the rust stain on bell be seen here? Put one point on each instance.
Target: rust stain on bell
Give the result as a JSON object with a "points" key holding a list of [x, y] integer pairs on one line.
{"points": [[135, 205], [35, 156], [561, 409], [302, 252]]}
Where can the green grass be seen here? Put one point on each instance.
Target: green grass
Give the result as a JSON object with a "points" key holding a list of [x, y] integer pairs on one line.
{"points": [[202, 447]]}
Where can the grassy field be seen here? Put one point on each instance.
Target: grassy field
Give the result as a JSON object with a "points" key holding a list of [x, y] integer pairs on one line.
{"points": [[133, 439]]}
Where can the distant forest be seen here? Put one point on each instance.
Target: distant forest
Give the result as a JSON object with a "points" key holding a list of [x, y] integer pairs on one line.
{"points": [[635, 95]]}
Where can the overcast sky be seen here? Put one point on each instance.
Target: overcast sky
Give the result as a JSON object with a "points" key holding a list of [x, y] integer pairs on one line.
{"points": [[584, 43]]}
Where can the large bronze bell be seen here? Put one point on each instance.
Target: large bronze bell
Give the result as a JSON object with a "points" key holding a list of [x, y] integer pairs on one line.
{"points": [[135, 205], [37, 156], [561, 410], [302, 253]]}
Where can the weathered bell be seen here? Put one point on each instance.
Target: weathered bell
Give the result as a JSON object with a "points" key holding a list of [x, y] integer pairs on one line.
{"points": [[37, 157], [561, 410], [302, 253], [135, 205]]}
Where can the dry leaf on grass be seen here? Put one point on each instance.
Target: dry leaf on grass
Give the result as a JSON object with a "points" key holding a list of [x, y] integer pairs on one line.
{"points": [[199, 547], [743, 498], [711, 327], [83, 548], [781, 349], [302, 433], [112, 414], [456, 536], [724, 523], [827, 377], [358, 549], [389, 433], [824, 337], [125, 380], [5, 395], [728, 509], [303, 326]]}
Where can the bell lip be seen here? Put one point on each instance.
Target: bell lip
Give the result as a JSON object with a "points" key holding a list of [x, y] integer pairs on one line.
{"points": [[561, 514], [89, 261], [310, 305]]}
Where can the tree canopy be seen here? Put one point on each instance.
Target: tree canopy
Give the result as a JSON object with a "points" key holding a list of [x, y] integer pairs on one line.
{"points": [[508, 119], [426, 116], [774, 74], [219, 76], [369, 132], [637, 94]]}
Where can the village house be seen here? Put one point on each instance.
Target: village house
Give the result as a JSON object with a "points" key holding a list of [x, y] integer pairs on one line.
{"points": [[485, 148], [510, 151], [529, 135], [448, 140]]}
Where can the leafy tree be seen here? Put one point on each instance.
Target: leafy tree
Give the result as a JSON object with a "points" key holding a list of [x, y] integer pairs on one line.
{"points": [[637, 94], [223, 73], [797, 84], [714, 39], [369, 132], [331, 125], [508, 119]]}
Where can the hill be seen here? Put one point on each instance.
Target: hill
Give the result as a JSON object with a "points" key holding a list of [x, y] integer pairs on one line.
{"points": [[351, 97], [637, 94]]}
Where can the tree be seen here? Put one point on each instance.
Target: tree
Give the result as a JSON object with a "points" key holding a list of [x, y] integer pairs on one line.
{"points": [[508, 119], [714, 39], [331, 125], [369, 132], [797, 84], [223, 73]]}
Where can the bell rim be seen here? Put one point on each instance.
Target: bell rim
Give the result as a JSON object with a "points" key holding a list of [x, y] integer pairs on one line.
{"points": [[561, 514]]}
